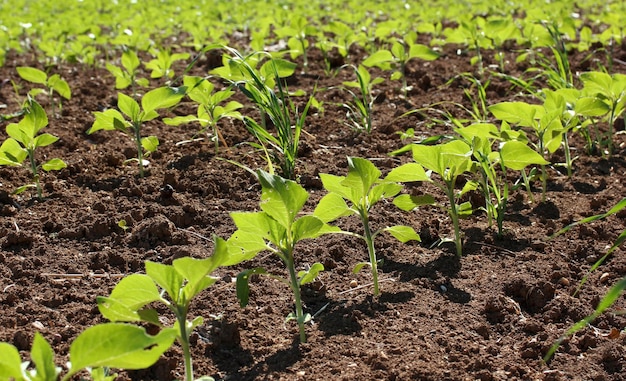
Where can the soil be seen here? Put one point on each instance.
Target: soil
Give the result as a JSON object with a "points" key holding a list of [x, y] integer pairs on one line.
{"points": [[490, 315]]}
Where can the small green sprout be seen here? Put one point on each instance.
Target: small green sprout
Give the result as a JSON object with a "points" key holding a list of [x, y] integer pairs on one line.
{"points": [[127, 74], [23, 142], [52, 84], [160, 98], [363, 188]]}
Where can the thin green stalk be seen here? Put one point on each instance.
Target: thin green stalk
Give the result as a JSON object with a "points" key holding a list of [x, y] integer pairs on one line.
{"points": [[568, 156], [371, 250], [295, 286], [454, 215], [33, 167], [137, 131], [181, 314]]}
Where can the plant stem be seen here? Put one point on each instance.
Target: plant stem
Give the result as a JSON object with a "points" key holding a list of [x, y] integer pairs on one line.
{"points": [[33, 167], [181, 314], [371, 250], [295, 286], [137, 131], [454, 215]]}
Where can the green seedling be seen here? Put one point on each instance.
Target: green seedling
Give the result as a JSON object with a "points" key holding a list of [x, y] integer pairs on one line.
{"points": [[258, 86], [175, 286], [545, 121], [135, 116], [95, 350], [297, 33], [448, 160], [513, 153], [277, 229], [362, 188], [52, 84], [127, 74], [161, 64], [23, 142], [363, 98], [605, 95], [400, 54], [212, 107]]}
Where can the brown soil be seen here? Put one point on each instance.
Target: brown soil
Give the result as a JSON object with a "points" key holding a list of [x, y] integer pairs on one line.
{"points": [[490, 315]]}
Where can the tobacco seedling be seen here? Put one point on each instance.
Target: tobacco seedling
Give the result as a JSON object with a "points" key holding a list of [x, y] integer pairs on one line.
{"points": [[127, 74], [161, 65], [23, 142], [95, 350], [400, 54], [211, 108], [363, 98], [607, 94], [258, 86], [545, 121], [448, 160], [175, 286], [135, 116], [513, 153], [51, 84], [277, 229], [362, 188], [297, 33]]}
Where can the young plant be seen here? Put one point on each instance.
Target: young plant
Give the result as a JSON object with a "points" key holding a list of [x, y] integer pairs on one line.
{"points": [[297, 33], [161, 65], [23, 142], [52, 84], [127, 74], [513, 153], [362, 188], [211, 108], [363, 98], [258, 86], [175, 286], [400, 54], [448, 160], [606, 95], [135, 116], [277, 229], [95, 350], [545, 121]]}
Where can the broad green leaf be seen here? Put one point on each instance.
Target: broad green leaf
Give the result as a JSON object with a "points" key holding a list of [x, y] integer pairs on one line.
{"points": [[246, 244], [422, 52], [12, 153], [53, 165], [162, 97], [44, 140], [178, 120], [591, 106], [408, 172], [333, 184], [106, 120], [32, 74], [10, 362], [519, 113], [118, 345], [378, 58], [43, 358], [150, 143], [517, 156], [310, 275], [18, 133], [448, 159], [277, 67], [130, 61], [130, 295], [34, 120], [281, 199], [196, 272], [362, 175], [166, 277], [253, 222], [59, 85], [407, 202], [403, 233], [243, 286], [331, 207], [383, 190], [306, 227], [128, 106], [122, 80]]}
